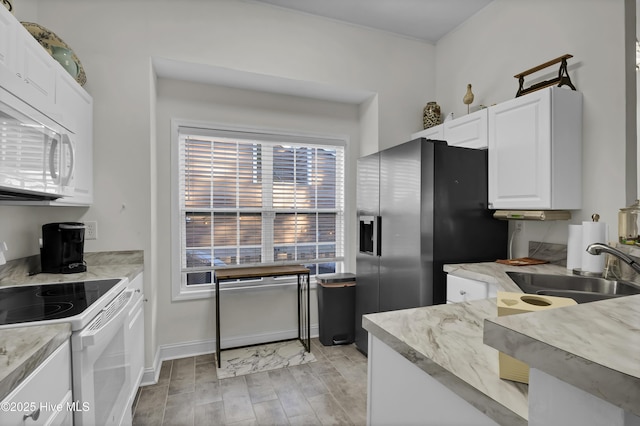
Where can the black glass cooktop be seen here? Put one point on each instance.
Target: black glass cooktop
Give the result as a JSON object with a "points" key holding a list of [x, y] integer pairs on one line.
{"points": [[50, 301]]}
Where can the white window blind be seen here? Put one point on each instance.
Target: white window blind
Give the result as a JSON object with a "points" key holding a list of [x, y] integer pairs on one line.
{"points": [[250, 199]]}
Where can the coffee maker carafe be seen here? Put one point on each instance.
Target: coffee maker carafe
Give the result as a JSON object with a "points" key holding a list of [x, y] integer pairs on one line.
{"points": [[62, 248]]}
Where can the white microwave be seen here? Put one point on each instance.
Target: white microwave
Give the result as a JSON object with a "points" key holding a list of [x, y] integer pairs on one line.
{"points": [[37, 155]]}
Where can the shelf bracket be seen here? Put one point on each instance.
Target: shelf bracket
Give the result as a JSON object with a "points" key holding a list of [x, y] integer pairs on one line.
{"points": [[562, 79]]}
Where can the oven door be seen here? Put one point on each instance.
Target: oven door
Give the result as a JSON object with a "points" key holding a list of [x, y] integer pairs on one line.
{"points": [[101, 368]]}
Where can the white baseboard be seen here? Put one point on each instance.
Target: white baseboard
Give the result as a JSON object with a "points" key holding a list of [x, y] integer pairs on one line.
{"points": [[202, 347]]}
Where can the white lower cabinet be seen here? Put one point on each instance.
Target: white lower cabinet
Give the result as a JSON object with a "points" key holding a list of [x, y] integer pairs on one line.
{"points": [[44, 397], [555, 402], [461, 289], [400, 393]]}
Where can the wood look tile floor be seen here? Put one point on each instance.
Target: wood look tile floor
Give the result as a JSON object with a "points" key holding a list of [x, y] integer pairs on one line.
{"points": [[330, 391]]}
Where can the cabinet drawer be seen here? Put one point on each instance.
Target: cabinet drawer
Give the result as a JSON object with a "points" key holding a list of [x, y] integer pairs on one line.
{"points": [[464, 289], [47, 389]]}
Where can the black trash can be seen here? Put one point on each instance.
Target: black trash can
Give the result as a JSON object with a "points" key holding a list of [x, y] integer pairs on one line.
{"points": [[336, 308]]}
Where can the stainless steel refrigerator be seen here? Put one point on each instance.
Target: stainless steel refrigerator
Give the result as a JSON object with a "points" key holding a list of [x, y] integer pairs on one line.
{"points": [[421, 204]]}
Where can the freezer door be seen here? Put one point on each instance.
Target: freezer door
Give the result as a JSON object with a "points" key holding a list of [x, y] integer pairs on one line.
{"points": [[367, 259], [402, 281], [368, 189]]}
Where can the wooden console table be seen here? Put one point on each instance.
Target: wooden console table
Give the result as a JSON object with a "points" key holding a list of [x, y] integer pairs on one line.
{"points": [[304, 314]]}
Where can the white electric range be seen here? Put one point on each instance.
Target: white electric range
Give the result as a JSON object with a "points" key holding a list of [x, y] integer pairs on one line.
{"points": [[99, 312]]}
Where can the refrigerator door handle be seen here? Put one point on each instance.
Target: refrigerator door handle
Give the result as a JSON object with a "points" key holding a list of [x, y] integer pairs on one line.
{"points": [[377, 236]]}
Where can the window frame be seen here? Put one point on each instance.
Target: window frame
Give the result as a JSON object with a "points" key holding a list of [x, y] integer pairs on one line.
{"points": [[180, 289]]}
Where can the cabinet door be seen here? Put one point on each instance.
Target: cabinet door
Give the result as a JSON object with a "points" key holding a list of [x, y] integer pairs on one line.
{"points": [[8, 77], [400, 393], [469, 131], [520, 153], [464, 289], [38, 72], [435, 132], [44, 394]]}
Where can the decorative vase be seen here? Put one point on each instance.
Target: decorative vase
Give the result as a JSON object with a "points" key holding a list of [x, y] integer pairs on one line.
{"points": [[431, 115], [65, 57]]}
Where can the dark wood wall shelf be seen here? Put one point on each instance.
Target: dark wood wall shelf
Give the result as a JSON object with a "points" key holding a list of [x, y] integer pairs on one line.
{"points": [[562, 79]]}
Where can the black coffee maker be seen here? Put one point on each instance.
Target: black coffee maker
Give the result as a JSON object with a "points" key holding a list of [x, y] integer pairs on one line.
{"points": [[62, 248]]}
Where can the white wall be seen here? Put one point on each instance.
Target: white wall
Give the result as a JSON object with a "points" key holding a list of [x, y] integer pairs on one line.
{"points": [[115, 41], [510, 36], [276, 309]]}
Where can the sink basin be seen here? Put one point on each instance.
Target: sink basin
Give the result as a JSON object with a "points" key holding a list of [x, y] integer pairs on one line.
{"points": [[581, 289]]}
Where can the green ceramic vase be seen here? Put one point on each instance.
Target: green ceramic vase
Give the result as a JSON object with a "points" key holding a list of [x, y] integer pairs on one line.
{"points": [[65, 57]]}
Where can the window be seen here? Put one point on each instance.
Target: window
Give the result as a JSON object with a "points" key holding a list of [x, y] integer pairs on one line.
{"points": [[250, 198]]}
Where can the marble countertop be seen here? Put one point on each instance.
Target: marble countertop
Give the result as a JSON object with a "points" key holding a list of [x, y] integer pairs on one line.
{"points": [[23, 348], [445, 341], [100, 265], [496, 273], [593, 346]]}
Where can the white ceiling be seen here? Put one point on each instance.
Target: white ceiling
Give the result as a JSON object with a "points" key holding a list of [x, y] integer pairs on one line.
{"points": [[426, 20]]}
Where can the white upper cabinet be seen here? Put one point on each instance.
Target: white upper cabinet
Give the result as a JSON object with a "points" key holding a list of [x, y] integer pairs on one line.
{"points": [[535, 151], [26, 69], [37, 69], [7, 48], [469, 131], [29, 73], [435, 132]]}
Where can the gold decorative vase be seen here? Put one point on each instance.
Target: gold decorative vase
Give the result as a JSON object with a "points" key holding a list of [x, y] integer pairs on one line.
{"points": [[431, 116]]}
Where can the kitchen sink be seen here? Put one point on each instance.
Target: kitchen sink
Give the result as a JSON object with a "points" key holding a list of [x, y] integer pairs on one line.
{"points": [[581, 289]]}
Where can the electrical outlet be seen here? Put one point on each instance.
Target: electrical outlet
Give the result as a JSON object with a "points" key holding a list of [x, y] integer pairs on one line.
{"points": [[519, 225], [91, 230]]}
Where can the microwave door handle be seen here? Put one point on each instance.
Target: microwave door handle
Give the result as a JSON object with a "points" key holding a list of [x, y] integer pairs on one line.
{"points": [[72, 160], [52, 162]]}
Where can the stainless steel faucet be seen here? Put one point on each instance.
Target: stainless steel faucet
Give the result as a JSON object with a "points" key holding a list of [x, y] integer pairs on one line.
{"points": [[598, 248]]}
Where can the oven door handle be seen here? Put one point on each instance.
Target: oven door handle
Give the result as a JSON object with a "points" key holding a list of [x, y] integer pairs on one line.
{"points": [[98, 330]]}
